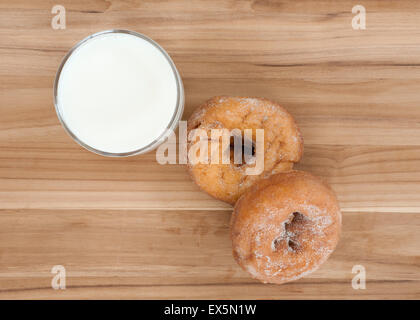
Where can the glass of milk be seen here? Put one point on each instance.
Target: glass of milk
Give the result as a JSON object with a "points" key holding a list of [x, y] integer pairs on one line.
{"points": [[118, 93]]}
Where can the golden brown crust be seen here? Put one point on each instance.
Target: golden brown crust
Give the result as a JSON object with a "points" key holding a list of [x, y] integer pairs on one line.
{"points": [[285, 226], [283, 143]]}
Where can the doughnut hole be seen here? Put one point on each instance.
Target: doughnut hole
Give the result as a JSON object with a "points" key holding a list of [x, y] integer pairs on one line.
{"points": [[291, 237], [246, 150]]}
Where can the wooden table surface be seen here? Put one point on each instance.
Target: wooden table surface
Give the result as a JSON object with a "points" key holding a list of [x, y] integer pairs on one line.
{"points": [[131, 228]]}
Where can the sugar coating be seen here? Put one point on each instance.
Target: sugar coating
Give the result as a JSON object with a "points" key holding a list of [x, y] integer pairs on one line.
{"points": [[285, 226], [283, 144]]}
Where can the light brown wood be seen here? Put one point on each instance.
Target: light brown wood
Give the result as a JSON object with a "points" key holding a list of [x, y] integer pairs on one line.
{"points": [[187, 254], [131, 228]]}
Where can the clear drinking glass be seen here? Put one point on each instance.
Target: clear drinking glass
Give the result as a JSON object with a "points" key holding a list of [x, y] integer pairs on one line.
{"points": [[172, 124]]}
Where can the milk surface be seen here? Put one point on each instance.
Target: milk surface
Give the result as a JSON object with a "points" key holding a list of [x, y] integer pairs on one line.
{"points": [[117, 93]]}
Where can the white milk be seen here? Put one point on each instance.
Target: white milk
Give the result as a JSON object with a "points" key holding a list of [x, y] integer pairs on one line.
{"points": [[117, 93]]}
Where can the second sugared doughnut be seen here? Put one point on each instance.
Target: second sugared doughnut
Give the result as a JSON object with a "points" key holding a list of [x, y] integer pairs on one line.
{"points": [[285, 226]]}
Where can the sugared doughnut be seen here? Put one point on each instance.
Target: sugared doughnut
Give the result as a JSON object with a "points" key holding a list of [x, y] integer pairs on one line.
{"points": [[285, 226], [283, 144]]}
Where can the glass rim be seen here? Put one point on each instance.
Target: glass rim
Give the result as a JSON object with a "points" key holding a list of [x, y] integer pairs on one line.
{"points": [[173, 123]]}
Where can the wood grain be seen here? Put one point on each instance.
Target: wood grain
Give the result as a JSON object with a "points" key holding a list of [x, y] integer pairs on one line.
{"points": [[131, 228], [187, 254]]}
